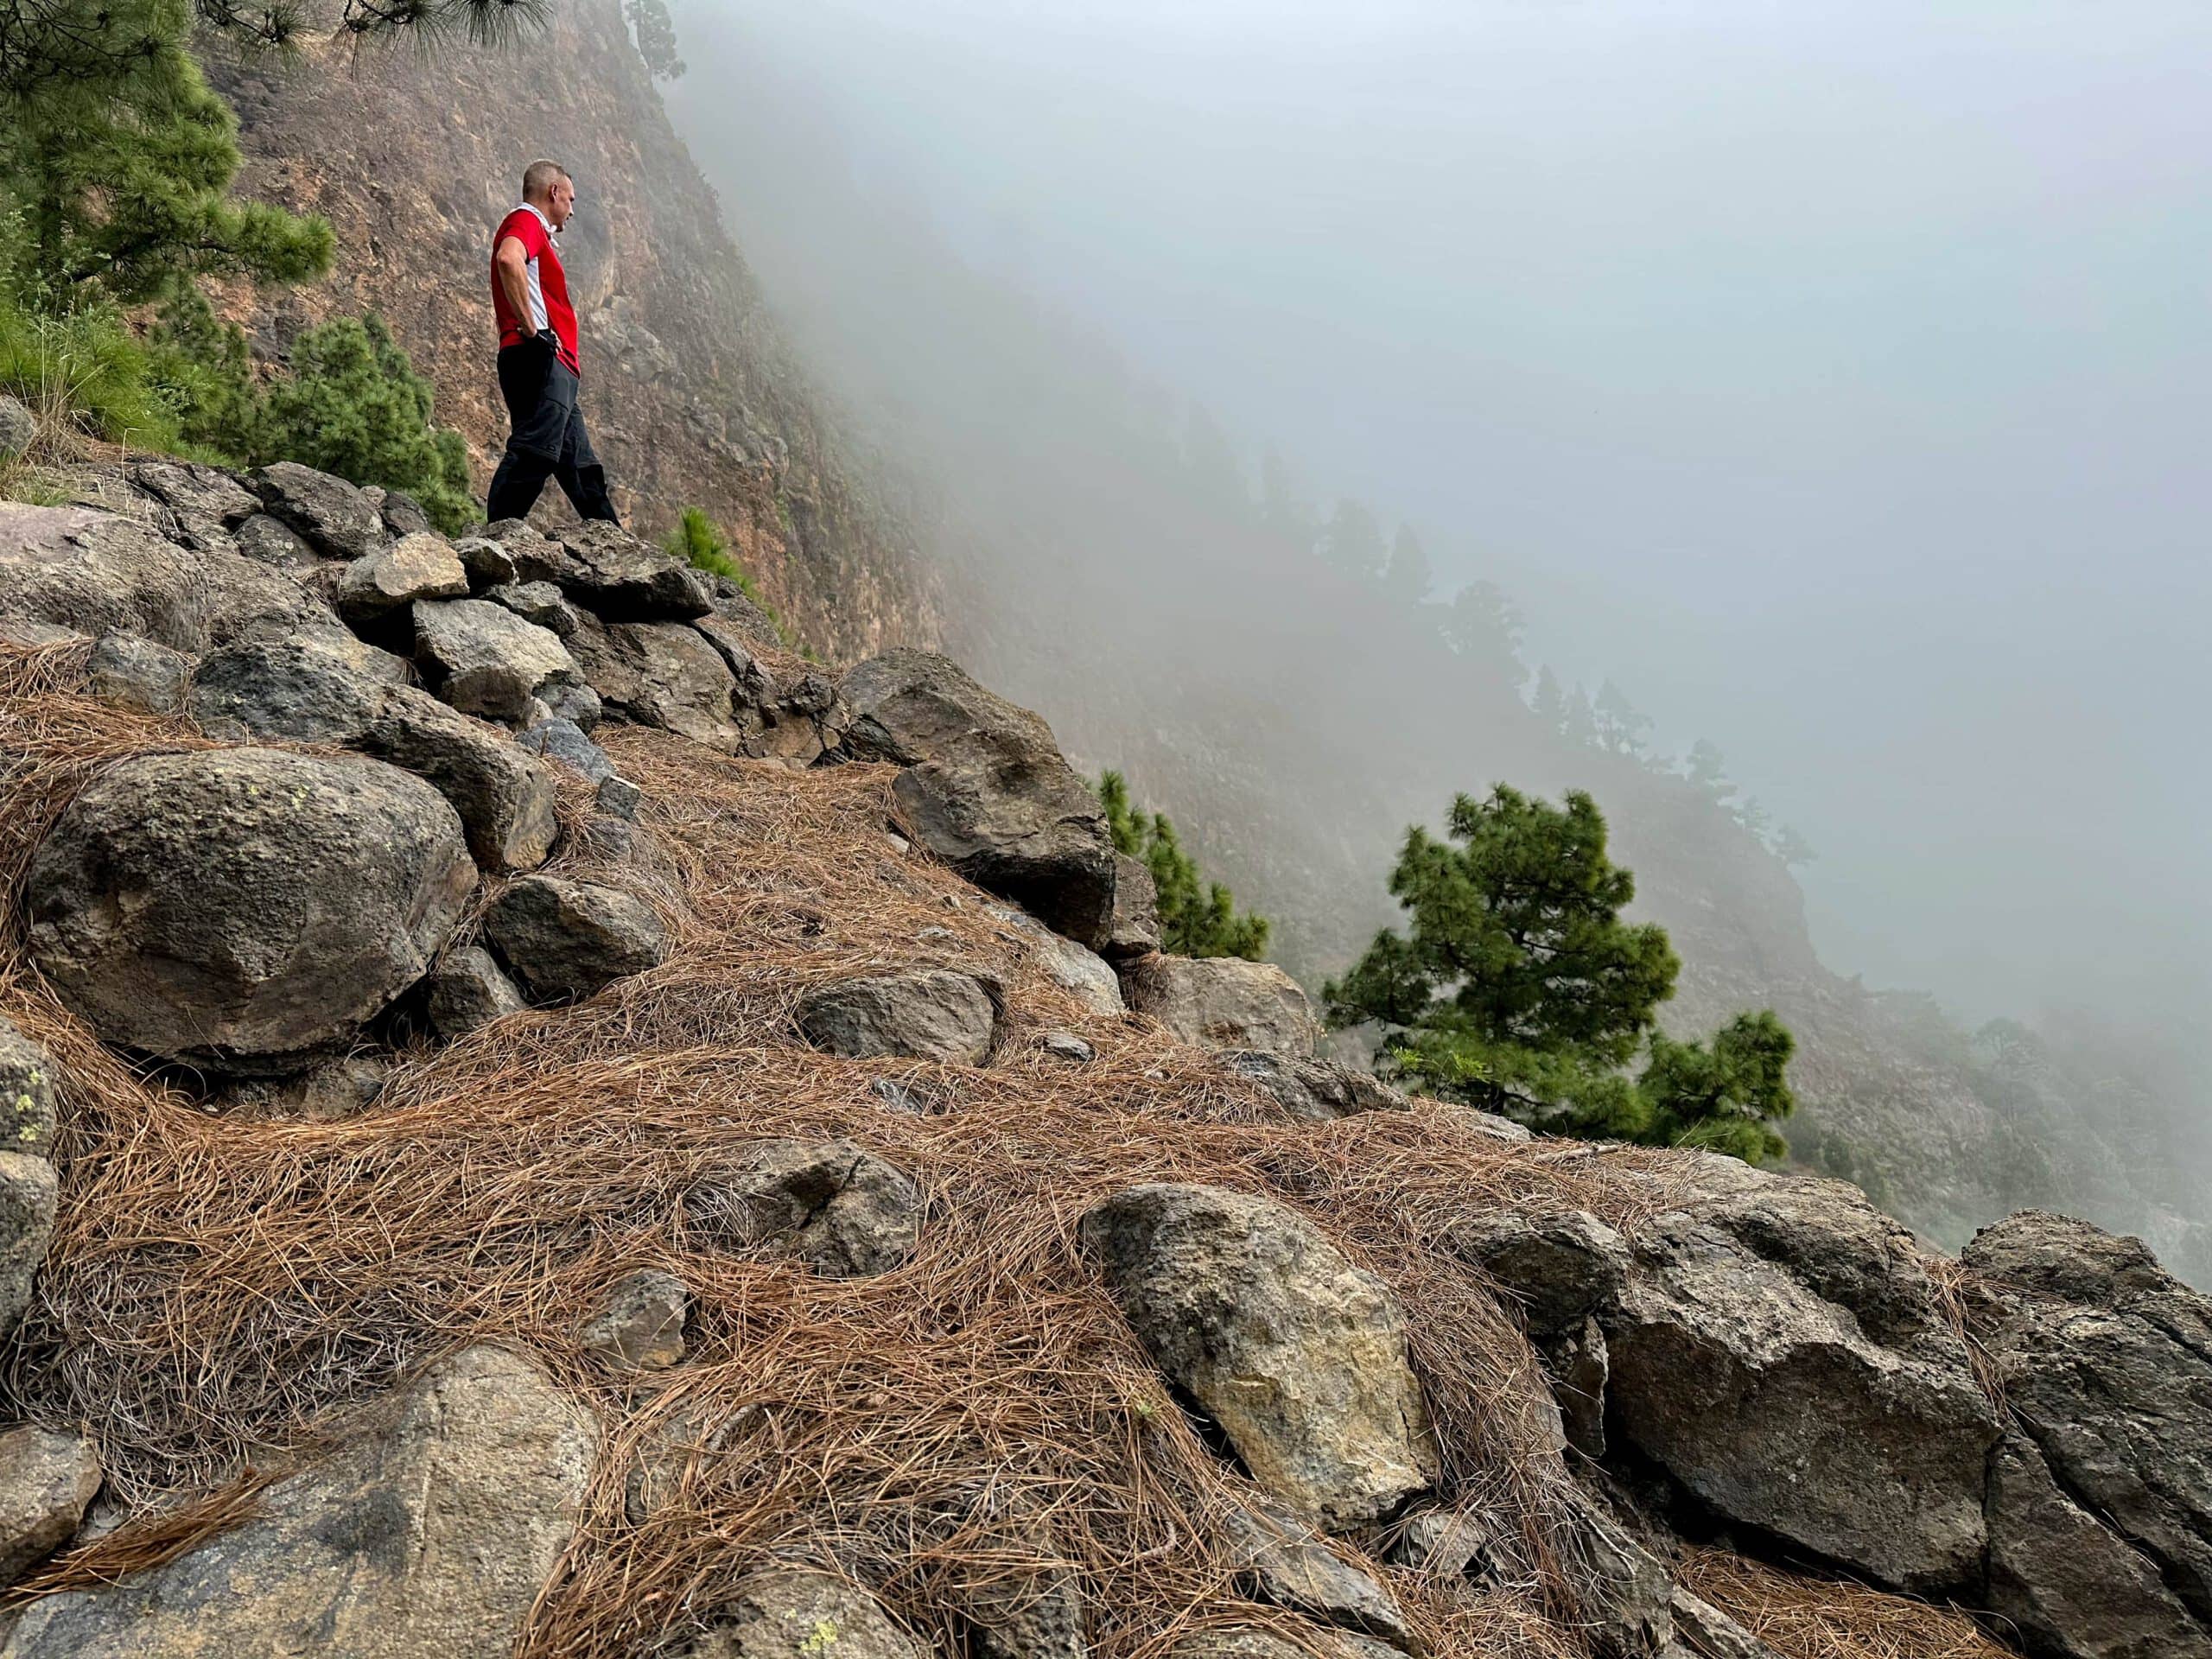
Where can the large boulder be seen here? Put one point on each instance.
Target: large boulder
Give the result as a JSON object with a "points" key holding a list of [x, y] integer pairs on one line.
{"points": [[428, 1539], [93, 573], [243, 910], [1777, 1350], [921, 1014], [484, 659], [788, 1612], [986, 789], [660, 674], [309, 691], [2100, 1514], [843, 1211], [1297, 1354], [46, 1482], [567, 939], [334, 516], [611, 573], [1224, 1003]]}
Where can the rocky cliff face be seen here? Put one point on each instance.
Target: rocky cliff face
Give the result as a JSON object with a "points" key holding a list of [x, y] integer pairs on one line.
{"points": [[414, 157], [544, 1125]]}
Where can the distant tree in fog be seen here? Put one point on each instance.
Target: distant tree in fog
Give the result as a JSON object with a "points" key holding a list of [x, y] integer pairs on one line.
{"points": [[1620, 727], [1406, 578], [1353, 541]]}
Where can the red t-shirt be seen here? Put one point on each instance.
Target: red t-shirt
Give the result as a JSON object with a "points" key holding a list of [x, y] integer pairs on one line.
{"points": [[547, 285]]}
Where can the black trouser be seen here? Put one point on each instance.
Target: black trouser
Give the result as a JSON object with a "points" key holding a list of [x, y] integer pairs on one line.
{"points": [[548, 441]]}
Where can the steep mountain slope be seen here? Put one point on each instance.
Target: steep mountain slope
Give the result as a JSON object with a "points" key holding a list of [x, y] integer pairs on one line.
{"points": [[693, 398]]}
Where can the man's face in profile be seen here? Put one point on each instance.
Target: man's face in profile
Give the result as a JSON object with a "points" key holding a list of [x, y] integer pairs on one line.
{"points": [[561, 201]]}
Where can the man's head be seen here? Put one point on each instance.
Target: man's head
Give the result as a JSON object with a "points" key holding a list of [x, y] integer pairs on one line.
{"points": [[547, 186]]}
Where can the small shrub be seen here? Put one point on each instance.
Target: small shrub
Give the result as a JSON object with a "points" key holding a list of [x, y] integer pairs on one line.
{"points": [[698, 541], [1197, 918]]}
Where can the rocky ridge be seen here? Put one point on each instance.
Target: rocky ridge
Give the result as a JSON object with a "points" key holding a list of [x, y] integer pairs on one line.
{"points": [[608, 1139]]}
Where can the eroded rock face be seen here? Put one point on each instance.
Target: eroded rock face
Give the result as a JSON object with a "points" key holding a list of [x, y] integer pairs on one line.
{"points": [[794, 1613], [1298, 1356], [986, 789], [1224, 1003], [922, 1014], [46, 1482], [1776, 1350], [243, 910], [844, 1211], [2101, 1519], [567, 939], [429, 1540]]}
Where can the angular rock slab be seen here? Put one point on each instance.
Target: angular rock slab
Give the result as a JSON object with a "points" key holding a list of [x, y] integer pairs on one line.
{"points": [[1297, 1354], [1743, 1362], [484, 659], [844, 1211], [986, 789], [46, 1482], [611, 573], [429, 1540], [468, 990], [1286, 1564], [2106, 1362], [1224, 1003], [660, 674], [795, 1613], [567, 939], [925, 1014], [243, 910], [413, 568], [333, 514]]}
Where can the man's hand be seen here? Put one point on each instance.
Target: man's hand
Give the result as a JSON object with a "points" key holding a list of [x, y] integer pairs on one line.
{"points": [[550, 341]]}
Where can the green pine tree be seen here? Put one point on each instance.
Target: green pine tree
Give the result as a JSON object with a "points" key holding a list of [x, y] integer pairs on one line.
{"points": [[1197, 918], [1517, 987], [353, 405]]}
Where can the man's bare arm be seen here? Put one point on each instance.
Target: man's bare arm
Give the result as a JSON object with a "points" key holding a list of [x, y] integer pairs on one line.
{"points": [[511, 258]]}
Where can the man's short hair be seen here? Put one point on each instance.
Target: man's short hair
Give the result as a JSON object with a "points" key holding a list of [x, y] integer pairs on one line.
{"points": [[539, 176]]}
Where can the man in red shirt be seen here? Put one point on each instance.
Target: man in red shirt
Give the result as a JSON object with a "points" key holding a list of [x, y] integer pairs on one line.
{"points": [[538, 366]]}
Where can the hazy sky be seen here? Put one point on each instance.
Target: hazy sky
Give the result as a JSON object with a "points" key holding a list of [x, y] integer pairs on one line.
{"points": [[1832, 376]]}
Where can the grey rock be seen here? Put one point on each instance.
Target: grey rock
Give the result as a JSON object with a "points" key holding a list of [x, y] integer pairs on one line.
{"points": [[27, 1108], [18, 429], [1313, 1091], [1580, 1366], [613, 573], [1282, 1561], [331, 513], [564, 741], [1066, 1046], [1076, 969], [267, 539], [467, 990], [1248, 1642], [2066, 1581], [47, 1480], [1560, 1266], [489, 565], [2105, 1362], [576, 702], [639, 1322], [404, 515], [922, 1014], [28, 1189], [986, 789], [618, 797], [1445, 1543], [845, 1212], [786, 1612], [484, 659], [898, 1097], [336, 1089], [569, 939], [537, 602], [430, 1539], [195, 504], [93, 573], [305, 692], [1224, 1003], [1133, 930], [660, 674], [412, 568], [245, 910], [1298, 1354], [137, 674], [1743, 1364]]}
